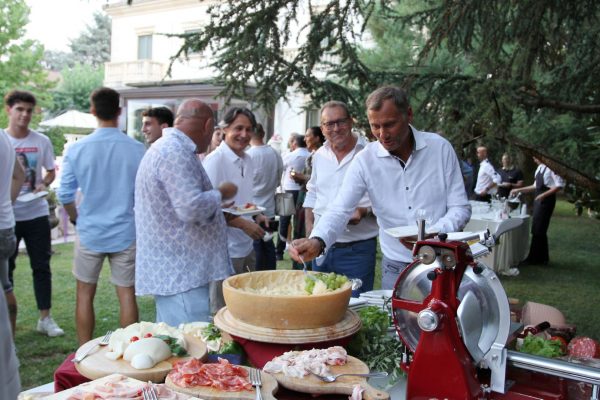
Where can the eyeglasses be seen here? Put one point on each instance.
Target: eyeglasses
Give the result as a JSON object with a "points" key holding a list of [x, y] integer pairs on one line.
{"points": [[341, 123]]}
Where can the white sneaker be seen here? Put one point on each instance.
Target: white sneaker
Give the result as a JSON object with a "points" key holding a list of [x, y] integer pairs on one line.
{"points": [[511, 272], [49, 327]]}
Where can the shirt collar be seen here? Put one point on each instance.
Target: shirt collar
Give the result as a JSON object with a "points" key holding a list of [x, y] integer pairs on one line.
{"points": [[419, 144], [229, 154], [186, 141]]}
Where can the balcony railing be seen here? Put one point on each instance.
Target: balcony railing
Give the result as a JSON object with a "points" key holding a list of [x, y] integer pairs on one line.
{"points": [[123, 73]]}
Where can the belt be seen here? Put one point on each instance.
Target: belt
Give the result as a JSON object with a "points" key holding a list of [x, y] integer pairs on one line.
{"points": [[341, 245]]}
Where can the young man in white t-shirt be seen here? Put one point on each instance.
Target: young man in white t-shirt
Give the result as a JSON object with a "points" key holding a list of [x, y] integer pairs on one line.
{"points": [[34, 152]]}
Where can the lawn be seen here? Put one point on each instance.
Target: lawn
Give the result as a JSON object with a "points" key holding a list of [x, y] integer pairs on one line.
{"points": [[571, 283]]}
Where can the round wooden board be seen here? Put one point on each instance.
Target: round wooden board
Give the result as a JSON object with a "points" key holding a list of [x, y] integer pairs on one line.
{"points": [[348, 326], [268, 389], [343, 385], [97, 365]]}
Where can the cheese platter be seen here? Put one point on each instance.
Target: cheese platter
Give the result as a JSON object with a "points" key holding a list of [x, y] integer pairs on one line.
{"points": [[97, 365]]}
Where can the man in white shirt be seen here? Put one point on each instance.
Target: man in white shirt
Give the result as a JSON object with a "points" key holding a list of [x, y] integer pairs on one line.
{"points": [[354, 252], [293, 162], [230, 163], [487, 177], [35, 153], [406, 170], [268, 167]]}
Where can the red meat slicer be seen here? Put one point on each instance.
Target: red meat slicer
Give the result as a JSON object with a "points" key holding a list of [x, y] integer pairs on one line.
{"points": [[452, 315]]}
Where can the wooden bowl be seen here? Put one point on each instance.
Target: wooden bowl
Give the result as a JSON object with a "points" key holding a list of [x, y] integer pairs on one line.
{"points": [[282, 311]]}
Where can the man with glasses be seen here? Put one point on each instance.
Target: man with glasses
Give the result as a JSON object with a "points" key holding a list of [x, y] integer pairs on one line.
{"points": [[353, 253], [404, 172]]}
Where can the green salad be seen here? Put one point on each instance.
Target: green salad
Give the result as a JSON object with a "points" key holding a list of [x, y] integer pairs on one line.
{"points": [[542, 347], [325, 282]]}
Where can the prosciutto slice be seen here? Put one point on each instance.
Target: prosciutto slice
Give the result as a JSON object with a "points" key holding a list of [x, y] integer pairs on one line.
{"points": [[221, 376]]}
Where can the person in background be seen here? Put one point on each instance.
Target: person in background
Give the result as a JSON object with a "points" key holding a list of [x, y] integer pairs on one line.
{"points": [[293, 162], [230, 163], [154, 120], [353, 253], [405, 171], [12, 178], [103, 166], [487, 177], [181, 231], [511, 177], [314, 139], [268, 168], [545, 187], [32, 223], [216, 139]]}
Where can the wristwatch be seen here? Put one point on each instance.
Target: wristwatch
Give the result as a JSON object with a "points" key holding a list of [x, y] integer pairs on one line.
{"points": [[322, 243]]}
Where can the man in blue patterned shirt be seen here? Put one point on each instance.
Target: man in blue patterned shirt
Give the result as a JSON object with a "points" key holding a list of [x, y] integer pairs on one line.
{"points": [[181, 232]]}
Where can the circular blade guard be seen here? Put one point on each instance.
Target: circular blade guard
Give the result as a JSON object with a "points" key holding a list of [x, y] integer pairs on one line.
{"points": [[483, 315]]}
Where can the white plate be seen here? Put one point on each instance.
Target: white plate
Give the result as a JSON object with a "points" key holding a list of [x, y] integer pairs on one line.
{"points": [[235, 211], [377, 294], [407, 231], [27, 197]]}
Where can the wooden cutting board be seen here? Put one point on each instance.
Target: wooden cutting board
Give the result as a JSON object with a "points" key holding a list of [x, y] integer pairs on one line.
{"points": [[348, 326], [343, 385], [268, 389], [88, 386], [97, 365]]}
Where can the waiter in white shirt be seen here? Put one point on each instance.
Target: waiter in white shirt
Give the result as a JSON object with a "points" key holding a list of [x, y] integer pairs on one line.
{"points": [[487, 177], [404, 171], [354, 252], [545, 187]]}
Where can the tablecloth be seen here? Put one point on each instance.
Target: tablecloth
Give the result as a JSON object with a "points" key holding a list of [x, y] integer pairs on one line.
{"points": [[514, 244]]}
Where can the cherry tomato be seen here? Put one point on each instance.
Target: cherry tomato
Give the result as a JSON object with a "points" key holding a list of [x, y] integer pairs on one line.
{"points": [[134, 339], [147, 335]]}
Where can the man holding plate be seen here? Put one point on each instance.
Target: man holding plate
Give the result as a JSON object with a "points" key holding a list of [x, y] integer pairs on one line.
{"points": [[405, 171]]}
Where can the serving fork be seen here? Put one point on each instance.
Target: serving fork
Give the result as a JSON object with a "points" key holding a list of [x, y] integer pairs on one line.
{"points": [[256, 381], [149, 393], [103, 342], [333, 378]]}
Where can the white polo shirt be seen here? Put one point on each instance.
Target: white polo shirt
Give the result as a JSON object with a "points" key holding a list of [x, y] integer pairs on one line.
{"points": [[223, 165]]}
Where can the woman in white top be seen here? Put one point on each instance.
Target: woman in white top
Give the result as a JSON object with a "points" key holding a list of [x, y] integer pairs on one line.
{"points": [[546, 185]]}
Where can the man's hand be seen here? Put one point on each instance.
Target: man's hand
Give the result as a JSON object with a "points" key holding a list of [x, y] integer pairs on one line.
{"points": [[358, 214], [261, 219], [299, 178], [409, 241], [251, 229], [308, 249], [40, 187], [228, 190]]}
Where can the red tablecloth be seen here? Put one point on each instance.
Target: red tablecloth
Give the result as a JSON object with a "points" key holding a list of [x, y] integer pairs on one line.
{"points": [[66, 376]]}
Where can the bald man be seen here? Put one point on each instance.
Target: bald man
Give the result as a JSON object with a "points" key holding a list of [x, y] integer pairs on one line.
{"points": [[181, 230], [487, 177]]}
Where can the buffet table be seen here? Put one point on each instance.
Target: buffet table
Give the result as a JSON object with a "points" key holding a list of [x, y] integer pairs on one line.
{"points": [[513, 247]]}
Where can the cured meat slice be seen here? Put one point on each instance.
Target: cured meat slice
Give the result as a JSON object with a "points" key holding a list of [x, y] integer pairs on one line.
{"points": [[583, 347], [222, 375]]}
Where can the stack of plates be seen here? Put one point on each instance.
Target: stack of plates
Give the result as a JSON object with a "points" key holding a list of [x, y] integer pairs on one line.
{"points": [[373, 298]]}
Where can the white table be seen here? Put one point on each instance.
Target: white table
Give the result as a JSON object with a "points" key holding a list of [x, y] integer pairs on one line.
{"points": [[514, 244]]}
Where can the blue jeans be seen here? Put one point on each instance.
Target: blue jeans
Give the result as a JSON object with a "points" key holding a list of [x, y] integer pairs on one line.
{"points": [[181, 308], [390, 270], [265, 255], [354, 261]]}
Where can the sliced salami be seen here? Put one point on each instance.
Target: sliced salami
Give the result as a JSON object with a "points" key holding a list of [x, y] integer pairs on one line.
{"points": [[583, 347]]}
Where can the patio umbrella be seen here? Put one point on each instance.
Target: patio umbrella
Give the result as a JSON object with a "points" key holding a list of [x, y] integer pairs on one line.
{"points": [[72, 119]]}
